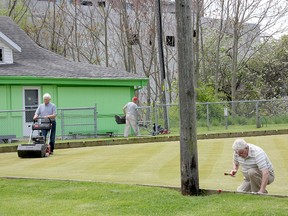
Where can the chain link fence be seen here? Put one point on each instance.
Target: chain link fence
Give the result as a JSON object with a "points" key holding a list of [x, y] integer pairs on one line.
{"points": [[86, 122], [77, 122], [145, 120], [72, 123], [232, 116]]}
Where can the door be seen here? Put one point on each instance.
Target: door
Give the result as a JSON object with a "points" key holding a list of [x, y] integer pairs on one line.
{"points": [[31, 102]]}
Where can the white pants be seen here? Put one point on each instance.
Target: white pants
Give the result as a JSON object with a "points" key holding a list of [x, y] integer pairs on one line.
{"points": [[252, 181], [131, 120]]}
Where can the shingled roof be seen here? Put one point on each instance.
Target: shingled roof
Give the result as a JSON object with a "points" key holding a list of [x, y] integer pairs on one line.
{"points": [[34, 60]]}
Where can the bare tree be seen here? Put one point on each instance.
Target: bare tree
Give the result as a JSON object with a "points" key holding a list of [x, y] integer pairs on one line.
{"points": [[218, 46], [243, 22]]}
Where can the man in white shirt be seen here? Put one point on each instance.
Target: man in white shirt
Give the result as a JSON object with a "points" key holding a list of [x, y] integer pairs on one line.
{"points": [[257, 169], [130, 110]]}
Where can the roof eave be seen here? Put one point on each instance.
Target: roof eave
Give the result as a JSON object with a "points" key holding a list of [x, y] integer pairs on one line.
{"points": [[9, 42], [29, 80]]}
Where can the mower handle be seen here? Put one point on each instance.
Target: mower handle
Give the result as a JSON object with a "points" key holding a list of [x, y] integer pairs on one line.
{"points": [[40, 117]]}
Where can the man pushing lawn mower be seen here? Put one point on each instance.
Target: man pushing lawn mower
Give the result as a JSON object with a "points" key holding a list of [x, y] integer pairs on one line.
{"points": [[48, 113], [257, 169], [44, 120]]}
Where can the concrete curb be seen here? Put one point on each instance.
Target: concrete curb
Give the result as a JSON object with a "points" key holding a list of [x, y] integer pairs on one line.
{"points": [[208, 192], [160, 138]]}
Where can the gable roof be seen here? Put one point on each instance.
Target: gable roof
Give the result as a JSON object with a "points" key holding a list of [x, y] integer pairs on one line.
{"points": [[36, 61], [9, 42]]}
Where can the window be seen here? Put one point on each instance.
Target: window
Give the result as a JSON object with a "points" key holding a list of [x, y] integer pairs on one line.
{"points": [[129, 6], [170, 41], [1, 55], [86, 3], [101, 4], [133, 39], [151, 39]]}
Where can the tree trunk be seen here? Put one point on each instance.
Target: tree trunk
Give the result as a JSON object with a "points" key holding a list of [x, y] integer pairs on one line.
{"points": [[106, 39], [53, 46], [197, 43], [235, 53], [220, 36], [187, 100], [127, 32]]}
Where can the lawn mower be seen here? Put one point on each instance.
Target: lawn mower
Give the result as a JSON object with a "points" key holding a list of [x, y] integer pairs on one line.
{"points": [[38, 146]]}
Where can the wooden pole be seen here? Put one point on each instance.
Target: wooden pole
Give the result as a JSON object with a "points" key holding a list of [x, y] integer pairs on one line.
{"points": [[187, 100], [161, 63]]}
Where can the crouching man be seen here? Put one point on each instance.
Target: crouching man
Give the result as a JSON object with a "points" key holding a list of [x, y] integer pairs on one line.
{"points": [[256, 167]]}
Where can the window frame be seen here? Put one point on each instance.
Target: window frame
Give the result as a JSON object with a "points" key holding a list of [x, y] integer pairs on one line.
{"points": [[1, 54], [102, 4], [133, 39], [170, 40]]}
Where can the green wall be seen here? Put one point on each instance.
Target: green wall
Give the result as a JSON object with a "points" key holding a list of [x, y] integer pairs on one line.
{"points": [[3, 97], [108, 100], [11, 99]]}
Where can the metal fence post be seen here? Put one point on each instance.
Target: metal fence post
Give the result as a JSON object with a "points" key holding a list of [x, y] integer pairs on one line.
{"points": [[226, 117], [95, 121], [166, 108], [207, 115], [258, 124], [62, 125], [156, 119]]}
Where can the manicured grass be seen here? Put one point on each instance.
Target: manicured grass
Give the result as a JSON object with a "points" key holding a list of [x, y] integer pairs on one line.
{"points": [[62, 198], [152, 163]]}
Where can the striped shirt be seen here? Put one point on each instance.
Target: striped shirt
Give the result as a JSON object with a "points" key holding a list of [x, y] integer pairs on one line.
{"points": [[256, 158]]}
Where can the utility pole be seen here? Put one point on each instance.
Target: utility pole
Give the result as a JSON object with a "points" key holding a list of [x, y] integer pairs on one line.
{"points": [[187, 100], [161, 62]]}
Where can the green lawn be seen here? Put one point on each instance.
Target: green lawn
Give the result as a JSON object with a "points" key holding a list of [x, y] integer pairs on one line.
{"points": [[149, 164], [129, 165], [62, 198]]}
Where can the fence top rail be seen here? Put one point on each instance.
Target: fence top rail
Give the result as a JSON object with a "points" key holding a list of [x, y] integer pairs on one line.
{"points": [[243, 101], [230, 102], [143, 107], [166, 105], [77, 108], [2, 111], [74, 108]]}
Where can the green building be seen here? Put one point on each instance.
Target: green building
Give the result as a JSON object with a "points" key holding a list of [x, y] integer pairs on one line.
{"points": [[27, 71]]}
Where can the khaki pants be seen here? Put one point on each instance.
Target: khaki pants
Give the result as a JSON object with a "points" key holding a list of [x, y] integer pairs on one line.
{"points": [[252, 181], [131, 120]]}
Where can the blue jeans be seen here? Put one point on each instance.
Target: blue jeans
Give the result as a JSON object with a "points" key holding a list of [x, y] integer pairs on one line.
{"points": [[52, 135]]}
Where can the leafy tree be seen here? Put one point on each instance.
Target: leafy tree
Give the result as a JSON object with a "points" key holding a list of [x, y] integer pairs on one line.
{"points": [[268, 69]]}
